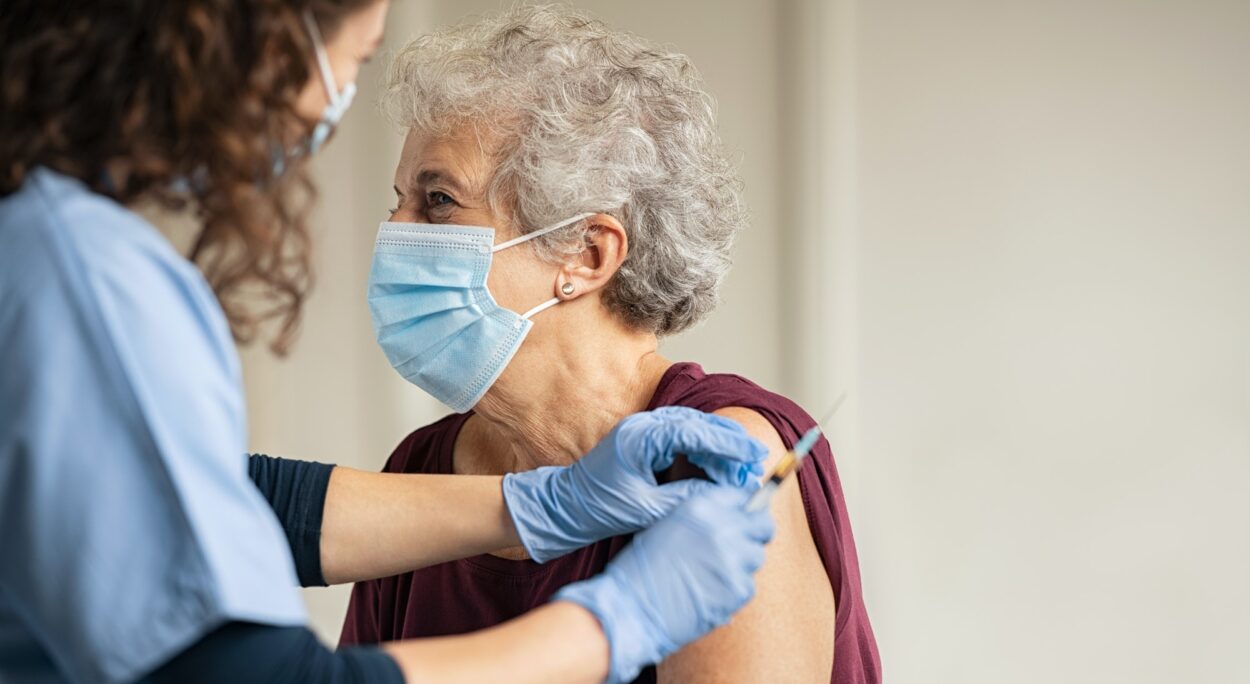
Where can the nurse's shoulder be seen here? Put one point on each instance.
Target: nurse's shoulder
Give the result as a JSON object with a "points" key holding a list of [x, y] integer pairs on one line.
{"points": [[89, 290], [62, 244]]}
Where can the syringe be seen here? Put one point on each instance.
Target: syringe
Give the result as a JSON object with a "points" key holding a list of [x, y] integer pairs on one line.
{"points": [[790, 462]]}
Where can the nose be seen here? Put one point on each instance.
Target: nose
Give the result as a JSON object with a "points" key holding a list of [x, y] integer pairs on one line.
{"points": [[406, 213]]}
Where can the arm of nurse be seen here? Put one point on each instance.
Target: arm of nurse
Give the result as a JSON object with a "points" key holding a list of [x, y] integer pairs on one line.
{"points": [[522, 651], [785, 634], [381, 524], [453, 516]]}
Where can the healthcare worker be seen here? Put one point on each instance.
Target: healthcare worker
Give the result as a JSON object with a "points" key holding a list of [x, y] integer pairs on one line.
{"points": [[133, 545]]}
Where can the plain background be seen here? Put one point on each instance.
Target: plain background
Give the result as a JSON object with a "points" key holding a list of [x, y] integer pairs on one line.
{"points": [[1016, 233]]}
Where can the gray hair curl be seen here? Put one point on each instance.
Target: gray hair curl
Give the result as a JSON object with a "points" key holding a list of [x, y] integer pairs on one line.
{"points": [[592, 120]]}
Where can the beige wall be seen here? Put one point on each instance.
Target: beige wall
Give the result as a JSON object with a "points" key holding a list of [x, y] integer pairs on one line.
{"points": [[1054, 335], [1018, 234]]}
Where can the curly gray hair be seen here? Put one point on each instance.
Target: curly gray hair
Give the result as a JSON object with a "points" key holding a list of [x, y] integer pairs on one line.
{"points": [[592, 120]]}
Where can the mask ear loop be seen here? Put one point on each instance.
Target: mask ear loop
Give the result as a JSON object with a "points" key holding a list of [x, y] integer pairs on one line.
{"points": [[540, 308], [530, 236], [323, 60], [540, 232]]}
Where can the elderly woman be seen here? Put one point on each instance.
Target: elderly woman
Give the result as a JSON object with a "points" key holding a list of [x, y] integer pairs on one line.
{"points": [[605, 209]]}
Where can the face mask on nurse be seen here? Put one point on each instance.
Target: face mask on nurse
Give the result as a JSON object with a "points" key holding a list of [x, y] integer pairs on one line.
{"points": [[339, 101], [433, 315], [337, 104]]}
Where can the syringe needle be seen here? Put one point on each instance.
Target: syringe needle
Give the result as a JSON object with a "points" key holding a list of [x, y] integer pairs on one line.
{"points": [[837, 404]]}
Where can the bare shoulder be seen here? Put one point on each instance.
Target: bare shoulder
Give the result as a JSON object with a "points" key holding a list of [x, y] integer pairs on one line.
{"points": [[758, 427], [786, 633]]}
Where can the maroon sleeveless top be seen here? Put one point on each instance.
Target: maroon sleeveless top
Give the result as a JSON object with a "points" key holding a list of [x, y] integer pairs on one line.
{"points": [[475, 593]]}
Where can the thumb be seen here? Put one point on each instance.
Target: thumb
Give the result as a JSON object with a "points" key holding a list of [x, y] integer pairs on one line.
{"points": [[728, 497], [673, 494]]}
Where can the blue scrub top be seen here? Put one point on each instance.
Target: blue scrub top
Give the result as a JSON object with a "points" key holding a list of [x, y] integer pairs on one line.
{"points": [[128, 525]]}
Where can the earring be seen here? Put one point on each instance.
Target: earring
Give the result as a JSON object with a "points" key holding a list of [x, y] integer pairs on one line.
{"points": [[567, 288]]}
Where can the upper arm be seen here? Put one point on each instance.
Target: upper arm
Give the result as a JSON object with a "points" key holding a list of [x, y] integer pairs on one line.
{"points": [[296, 491], [786, 633]]}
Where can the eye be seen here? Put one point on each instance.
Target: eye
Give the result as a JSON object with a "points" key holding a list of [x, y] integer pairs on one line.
{"points": [[434, 198]]}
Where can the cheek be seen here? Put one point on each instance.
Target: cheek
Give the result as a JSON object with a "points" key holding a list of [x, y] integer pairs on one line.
{"points": [[518, 282], [311, 101], [345, 72]]}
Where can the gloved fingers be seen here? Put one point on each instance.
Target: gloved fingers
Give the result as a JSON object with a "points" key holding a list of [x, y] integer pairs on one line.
{"points": [[719, 512], [723, 501], [653, 423], [758, 526], [733, 473], [709, 433], [739, 589], [671, 495], [720, 446], [723, 510], [753, 556], [674, 411], [746, 592]]}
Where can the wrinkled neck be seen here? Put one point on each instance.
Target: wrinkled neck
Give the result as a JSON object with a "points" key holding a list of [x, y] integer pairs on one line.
{"points": [[559, 400]]}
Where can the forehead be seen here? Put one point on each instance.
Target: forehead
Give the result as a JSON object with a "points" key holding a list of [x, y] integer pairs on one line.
{"points": [[364, 26], [462, 151]]}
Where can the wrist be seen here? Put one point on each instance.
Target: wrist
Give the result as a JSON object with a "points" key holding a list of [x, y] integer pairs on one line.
{"points": [[633, 641], [585, 634], [536, 501]]}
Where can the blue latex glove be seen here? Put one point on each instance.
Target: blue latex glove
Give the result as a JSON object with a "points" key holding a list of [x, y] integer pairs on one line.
{"points": [[613, 491], [678, 580]]}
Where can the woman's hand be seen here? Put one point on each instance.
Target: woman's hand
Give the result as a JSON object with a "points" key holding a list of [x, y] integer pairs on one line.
{"points": [[678, 580], [613, 490]]}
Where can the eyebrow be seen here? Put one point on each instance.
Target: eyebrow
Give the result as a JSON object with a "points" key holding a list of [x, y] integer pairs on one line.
{"points": [[435, 177]]}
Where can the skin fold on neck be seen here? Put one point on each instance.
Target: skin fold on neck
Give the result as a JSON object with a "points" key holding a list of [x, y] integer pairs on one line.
{"points": [[560, 397]]}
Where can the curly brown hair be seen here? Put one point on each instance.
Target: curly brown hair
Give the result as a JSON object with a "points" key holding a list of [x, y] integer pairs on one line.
{"points": [[182, 103]]}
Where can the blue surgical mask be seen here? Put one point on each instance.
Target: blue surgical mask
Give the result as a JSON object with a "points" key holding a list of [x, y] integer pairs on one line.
{"points": [[433, 315], [339, 101], [330, 117], [337, 106]]}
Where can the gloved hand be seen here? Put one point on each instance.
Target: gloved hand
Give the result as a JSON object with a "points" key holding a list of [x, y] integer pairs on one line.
{"points": [[613, 491], [678, 580]]}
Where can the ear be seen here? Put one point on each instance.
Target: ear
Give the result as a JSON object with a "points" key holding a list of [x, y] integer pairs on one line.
{"points": [[607, 245]]}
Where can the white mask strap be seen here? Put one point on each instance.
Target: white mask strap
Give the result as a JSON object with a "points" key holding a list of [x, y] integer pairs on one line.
{"points": [[540, 308], [538, 233], [323, 60]]}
